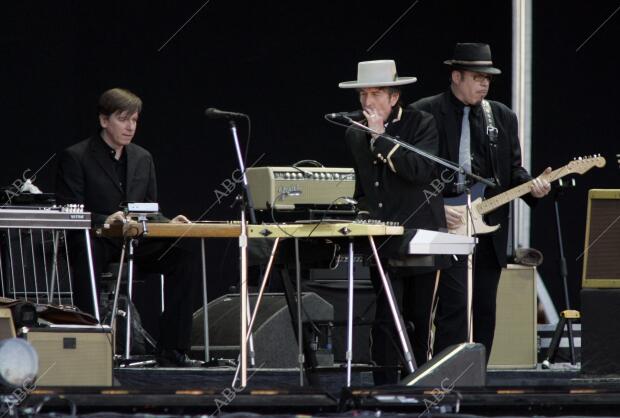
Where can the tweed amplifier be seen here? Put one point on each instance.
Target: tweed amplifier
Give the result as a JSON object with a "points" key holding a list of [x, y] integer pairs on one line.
{"points": [[288, 187], [7, 330], [601, 264], [515, 344], [73, 355]]}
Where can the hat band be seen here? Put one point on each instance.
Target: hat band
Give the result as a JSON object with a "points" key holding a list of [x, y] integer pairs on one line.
{"points": [[472, 62]]}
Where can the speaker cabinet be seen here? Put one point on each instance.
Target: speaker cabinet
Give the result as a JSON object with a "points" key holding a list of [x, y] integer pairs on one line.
{"points": [[515, 343], [601, 264], [461, 365], [600, 339], [275, 344], [73, 355]]}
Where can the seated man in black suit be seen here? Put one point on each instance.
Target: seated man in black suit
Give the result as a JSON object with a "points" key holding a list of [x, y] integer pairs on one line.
{"points": [[103, 171]]}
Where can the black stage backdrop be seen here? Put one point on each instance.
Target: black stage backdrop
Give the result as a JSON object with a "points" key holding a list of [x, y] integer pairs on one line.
{"points": [[280, 62]]}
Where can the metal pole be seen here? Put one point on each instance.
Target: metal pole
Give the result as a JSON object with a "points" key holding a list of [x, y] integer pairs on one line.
{"points": [[259, 298], [47, 287], [470, 272], [129, 295], [64, 234], [117, 289], [205, 301], [521, 104], [91, 270], [34, 267], [21, 257], [243, 245], [2, 273], [249, 202], [300, 336], [398, 320], [349, 355], [8, 232]]}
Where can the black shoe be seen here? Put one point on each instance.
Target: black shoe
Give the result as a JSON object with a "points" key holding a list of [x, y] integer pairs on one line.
{"points": [[168, 357]]}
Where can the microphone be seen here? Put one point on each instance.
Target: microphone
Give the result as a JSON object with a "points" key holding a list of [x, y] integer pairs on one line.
{"points": [[214, 113], [355, 115]]}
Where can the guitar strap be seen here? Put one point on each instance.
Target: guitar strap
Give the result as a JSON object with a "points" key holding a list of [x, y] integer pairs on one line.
{"points": [[493, 134]]}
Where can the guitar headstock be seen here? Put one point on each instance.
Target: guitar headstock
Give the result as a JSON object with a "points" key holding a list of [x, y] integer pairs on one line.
{"points": [[582, 164]]}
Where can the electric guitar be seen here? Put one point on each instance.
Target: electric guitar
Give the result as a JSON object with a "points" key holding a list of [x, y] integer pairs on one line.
{"points": [[480, 207]]}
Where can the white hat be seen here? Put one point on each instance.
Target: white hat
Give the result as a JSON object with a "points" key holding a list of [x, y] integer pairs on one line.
{"points": [[380, 73]]}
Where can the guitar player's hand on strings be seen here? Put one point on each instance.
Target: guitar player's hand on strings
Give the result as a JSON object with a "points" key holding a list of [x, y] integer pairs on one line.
{"points": [[116, 217], [540, 186], [454, 217]]}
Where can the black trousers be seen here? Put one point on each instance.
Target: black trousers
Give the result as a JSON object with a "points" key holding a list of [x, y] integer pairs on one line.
{"points": [[451, 316], [179, 266], [486, 281], [413, 295], [451, 319]]}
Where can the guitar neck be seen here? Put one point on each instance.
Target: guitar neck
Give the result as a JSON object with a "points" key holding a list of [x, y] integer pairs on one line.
{"points": [[495, 202]]}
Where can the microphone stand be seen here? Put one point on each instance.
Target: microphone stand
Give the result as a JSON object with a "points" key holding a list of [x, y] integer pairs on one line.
{"points": [[469, 176], [246, 189], [568, 315], [246, 202], [448, 164]]}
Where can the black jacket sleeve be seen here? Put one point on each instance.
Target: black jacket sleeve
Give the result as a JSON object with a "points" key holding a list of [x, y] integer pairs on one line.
{"points": [[518, 174], [421, 132]]}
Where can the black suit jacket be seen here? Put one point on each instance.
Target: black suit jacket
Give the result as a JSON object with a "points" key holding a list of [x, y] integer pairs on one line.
{"points": [[392, 183], [510, 172], [86, 175]]}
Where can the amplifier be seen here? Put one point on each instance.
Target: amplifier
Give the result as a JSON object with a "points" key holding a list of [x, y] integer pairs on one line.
{"points": [[292, 186], [73, 355], [7, 330], [601, 264], [515, 344]]}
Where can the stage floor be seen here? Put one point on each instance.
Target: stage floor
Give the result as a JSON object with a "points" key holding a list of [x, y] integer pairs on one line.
{"points": [[562, 390]]}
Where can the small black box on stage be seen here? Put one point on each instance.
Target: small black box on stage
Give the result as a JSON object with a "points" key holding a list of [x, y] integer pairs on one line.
{"points": [[600, 339]]}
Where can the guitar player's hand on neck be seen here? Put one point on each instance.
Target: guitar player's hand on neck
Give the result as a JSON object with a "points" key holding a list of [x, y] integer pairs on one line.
{"points": [[540, 186]]}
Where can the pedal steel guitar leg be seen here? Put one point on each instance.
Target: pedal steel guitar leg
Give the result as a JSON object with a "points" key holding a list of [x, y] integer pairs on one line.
{"points": [[259, 298], [205, 300], [349, 354], [398, 320]]}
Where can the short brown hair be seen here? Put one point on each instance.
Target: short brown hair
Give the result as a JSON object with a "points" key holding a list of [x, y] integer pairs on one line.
{"points": [[119, 100]]}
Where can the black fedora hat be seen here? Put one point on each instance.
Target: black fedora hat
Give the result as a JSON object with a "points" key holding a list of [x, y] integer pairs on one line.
{"points": [[473, 57]]}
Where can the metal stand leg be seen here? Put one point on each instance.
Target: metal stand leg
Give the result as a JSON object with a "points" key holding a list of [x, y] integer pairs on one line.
{"points": [[259, 298], [8, 232], [162, 296], [300, 340], [349, 355], [132, 242], [243, 245], [117, 289], [251, 353], [566, 320], [54, 265], [205, 301], [398, 320], [470, 293], [470, 271], [91, 270]]}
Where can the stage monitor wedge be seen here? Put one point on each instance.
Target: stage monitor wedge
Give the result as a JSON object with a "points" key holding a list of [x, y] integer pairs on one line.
{"points": [[460, 365]]}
